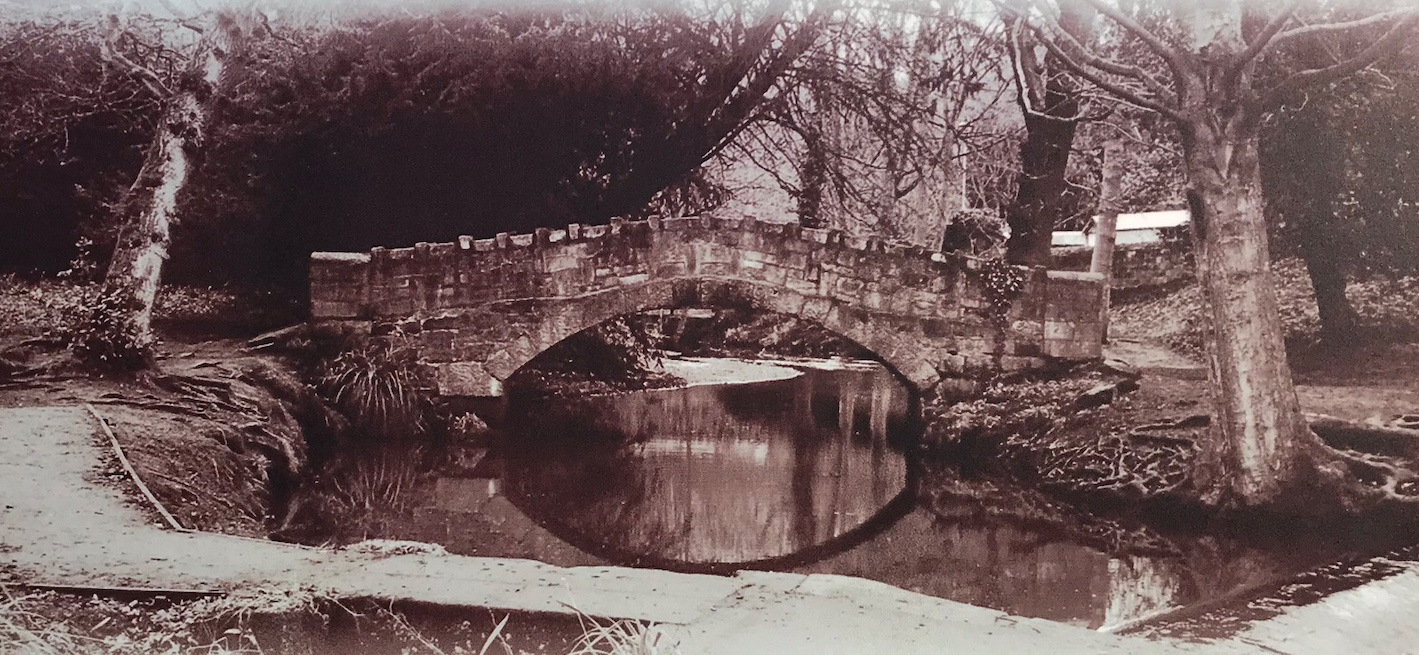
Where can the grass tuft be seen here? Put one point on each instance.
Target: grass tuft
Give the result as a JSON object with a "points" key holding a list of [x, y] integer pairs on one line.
{"points": [[376, 385]]}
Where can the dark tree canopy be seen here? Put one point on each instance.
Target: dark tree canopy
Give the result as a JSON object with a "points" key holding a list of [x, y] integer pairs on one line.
{"points": [[397, 130], [72, 136], [385, 130]]}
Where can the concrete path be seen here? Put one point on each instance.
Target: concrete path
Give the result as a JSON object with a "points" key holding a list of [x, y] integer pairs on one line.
{"points": [[62, 523]]}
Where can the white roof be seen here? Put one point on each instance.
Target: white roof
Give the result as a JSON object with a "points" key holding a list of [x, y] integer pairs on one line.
{"points": [[1151, 220]]}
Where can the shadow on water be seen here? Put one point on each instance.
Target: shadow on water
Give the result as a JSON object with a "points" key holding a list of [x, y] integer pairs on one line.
{"points": [[808, 475]]}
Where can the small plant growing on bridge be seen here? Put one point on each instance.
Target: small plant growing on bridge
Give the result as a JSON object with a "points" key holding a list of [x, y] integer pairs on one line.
{"points": [[1003, 284]]}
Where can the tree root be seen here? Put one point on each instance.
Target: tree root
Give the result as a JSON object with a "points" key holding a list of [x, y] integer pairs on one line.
{"points": [[1365, 437]]}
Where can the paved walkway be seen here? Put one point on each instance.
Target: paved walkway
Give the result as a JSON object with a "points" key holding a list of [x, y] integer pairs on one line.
{"points": [[62, 524]]}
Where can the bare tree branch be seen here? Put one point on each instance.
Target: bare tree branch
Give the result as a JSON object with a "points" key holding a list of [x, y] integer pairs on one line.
{"points": [[1324, 28], [1172, 57], [1106, 65], [1391, 43], [151, 80], [1264, 38], [1101, 80]]}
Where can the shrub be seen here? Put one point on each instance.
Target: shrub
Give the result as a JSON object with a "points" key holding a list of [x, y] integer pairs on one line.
{"points": [[106, 338]]}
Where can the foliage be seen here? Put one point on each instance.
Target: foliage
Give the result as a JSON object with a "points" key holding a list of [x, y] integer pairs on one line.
{"points": [[622, 637], [214, 626], [73, 133], [1033, 430], [104, 337], [868, 128], [49, 306], [1003, 284], [289, 621], [1005, 408], [376, 385], [472, 122], [618, 354], [1340, 165], [378, 481], [749, 333]]}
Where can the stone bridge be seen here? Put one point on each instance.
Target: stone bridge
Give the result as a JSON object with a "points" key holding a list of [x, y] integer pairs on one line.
{"points": [[481, 308]]}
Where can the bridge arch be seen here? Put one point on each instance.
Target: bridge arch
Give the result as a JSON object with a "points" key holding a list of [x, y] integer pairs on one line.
{"points": [[481, 308]]}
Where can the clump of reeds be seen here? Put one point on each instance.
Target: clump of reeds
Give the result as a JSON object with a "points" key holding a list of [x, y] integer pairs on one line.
{"points": [[375, 384]]}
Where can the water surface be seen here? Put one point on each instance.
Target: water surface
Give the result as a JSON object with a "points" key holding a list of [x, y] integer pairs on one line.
{"points": [[810, 474]]}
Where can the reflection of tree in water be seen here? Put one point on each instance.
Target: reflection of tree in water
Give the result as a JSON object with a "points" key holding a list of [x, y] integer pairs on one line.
{"points": [[1040, 548]]}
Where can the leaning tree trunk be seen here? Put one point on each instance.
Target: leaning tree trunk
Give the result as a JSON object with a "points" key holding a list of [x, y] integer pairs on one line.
{"points": [[134, 275], [1260, 445], [135, 271]]}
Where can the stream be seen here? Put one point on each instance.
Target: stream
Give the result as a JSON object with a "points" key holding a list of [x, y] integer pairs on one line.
{"points": [[811, 473]]}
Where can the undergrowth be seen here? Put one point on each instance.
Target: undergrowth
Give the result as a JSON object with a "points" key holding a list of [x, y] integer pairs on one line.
{"points": [[45, 306], [297, 621], [1385, 307]]}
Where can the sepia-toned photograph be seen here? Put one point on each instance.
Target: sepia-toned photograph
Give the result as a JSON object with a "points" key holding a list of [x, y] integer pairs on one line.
{"points": [[709, 327]]}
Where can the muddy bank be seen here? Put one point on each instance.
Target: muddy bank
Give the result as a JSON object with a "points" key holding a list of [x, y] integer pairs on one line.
{"points": [[298, 623]]}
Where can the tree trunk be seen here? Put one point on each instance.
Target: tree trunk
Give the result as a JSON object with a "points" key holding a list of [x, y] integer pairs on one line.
{"points": [[1044, 156], [1049, 98], [1338, 319], [135, 271], [1106, 230], [1260, 446]]}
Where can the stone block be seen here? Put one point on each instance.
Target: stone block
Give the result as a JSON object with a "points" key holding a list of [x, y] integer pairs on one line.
{"points": [[325, 310], [1072, 349], [1016, 363], [466, 379], [800, 285], [816, 309], [500, 365], [953, 363], [1028, 328], [437, 345]]}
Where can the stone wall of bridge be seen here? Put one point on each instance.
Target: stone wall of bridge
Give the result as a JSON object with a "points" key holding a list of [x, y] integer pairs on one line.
{"points": [[481, 308]]}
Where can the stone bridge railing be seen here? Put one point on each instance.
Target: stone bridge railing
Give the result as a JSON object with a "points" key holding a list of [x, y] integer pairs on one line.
{"points": [[481, 308]]}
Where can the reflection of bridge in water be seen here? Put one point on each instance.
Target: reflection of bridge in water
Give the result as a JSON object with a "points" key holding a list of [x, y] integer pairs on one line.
{"points": [[724, 475]]}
